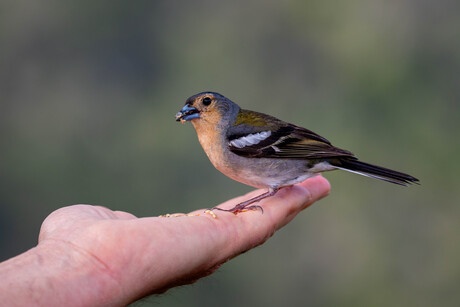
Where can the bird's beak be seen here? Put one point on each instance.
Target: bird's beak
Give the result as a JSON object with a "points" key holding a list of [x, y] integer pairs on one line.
{"points": [[187, 113]]}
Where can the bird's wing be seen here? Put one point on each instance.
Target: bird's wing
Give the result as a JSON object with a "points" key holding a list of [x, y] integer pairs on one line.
{"points": [[281, 140]]}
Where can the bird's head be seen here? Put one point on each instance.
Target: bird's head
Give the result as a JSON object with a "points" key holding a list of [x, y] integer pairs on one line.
{"points": [[207, 106]]}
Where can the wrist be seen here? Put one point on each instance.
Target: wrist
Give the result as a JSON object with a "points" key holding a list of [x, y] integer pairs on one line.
{"points": [[56, 273]]}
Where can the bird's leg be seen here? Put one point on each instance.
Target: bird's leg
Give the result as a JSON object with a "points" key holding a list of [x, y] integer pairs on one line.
{"points": [[245, 206]]}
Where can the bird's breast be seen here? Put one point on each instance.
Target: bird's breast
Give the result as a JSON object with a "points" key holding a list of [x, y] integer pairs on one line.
{"points": [[256, 172]]}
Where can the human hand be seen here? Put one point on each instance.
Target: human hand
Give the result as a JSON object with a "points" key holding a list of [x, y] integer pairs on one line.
{"points": [[91, 255]]}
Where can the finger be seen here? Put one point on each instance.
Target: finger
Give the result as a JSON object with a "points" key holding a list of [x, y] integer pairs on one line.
{"points": [[318, 186], [248, 229], [290, 202]]}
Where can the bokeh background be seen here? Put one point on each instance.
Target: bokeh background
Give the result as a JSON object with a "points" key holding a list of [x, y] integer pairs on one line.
{"points": [[88, 93]]}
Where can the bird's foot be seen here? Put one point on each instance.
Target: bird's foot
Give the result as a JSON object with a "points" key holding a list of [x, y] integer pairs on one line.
{"points": [[240, 208], [247, 205]]}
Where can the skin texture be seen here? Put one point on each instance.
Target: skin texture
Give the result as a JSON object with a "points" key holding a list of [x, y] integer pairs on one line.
{"points": [[93, 256]]}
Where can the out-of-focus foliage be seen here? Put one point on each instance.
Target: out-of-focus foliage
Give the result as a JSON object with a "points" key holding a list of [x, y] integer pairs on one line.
{"points": [[88, 93]]}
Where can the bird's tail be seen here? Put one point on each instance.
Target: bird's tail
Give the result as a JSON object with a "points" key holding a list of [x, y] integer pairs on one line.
{"points": [[374, 171]]}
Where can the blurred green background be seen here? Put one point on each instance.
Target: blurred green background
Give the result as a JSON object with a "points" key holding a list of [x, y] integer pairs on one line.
{"points": [[89, 90]]}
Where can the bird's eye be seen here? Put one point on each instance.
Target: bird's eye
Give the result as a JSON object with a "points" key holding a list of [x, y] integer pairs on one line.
{"points": [[207, 101]]}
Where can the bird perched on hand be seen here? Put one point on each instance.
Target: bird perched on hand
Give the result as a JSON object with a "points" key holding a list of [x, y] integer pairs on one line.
{"points": [[264, 152]]}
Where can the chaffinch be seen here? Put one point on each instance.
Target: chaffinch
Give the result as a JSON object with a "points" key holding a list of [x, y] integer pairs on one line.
{"points": [[264, 152]]}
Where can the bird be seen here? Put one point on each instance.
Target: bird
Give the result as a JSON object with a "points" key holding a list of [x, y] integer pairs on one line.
{"points": [[263, 151]]}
